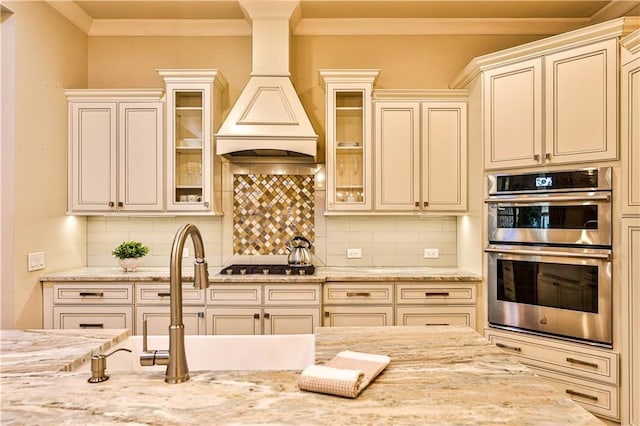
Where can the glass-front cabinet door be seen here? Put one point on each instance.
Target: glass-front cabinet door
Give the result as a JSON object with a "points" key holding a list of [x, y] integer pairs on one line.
{"points": [[348, 138], [192, 117]]}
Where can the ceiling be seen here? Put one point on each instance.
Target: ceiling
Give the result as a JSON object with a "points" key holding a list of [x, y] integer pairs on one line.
{"points": [[226, 17]]}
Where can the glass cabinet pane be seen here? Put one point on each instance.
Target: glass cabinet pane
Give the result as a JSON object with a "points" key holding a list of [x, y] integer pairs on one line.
{"points": [[188, 146], [349, 137]]}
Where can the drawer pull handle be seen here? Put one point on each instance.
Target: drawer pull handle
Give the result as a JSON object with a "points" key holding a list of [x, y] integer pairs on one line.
{"points": [[581, 395], [437, 323], [436, 293], [86, 325], [358, 293], [91, 294], [164, 294], [508, 347], [581, 362]]}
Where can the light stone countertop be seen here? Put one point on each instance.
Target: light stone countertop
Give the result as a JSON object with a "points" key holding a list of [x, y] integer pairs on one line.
{"points": [[323, 274], [438, 375]]}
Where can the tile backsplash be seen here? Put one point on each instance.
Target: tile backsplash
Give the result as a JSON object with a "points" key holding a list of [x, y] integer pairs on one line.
{"points": [[269, 210]]}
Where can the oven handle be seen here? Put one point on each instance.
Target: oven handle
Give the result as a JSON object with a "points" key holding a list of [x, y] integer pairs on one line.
{"points": [[555, 198], [603, 256]]}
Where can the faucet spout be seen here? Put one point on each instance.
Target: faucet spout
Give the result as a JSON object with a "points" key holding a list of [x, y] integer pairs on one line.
{"points": [[177, 369]]}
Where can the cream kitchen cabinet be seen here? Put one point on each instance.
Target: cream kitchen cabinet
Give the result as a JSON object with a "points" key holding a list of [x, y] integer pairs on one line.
{"points": [[152, 306], [87, 305], [263, 309], [556, 108], [588, 375], [449, 303], [421, 153], [630, 133], [357, 304], [193, 115], [349, 149], [115, 151]]}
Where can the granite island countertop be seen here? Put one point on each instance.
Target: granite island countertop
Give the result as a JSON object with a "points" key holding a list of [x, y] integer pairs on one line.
{"points": [[323, 274], [438, 375]]}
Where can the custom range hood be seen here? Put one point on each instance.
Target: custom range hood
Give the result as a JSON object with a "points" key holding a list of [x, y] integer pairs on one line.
{"points": [[268, 119]]}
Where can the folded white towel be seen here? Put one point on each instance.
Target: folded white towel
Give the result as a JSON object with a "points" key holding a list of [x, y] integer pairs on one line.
{"points": [[346, 374]]}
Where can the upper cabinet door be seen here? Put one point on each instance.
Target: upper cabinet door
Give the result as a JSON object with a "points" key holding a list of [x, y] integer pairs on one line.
{"points": [[397, 156], [630, 136], [93, 148], [581, 104], [140, 171], [513, 115], [444, 156]]}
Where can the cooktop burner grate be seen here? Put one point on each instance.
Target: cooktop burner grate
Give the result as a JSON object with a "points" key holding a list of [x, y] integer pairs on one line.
{"points": [[268, 270]]}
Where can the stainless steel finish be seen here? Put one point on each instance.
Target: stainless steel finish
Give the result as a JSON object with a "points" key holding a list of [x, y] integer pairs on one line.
{"points": [[600, 236], [99, 365], [530, 199], [604, 182], [541, 251], [299, 254], [594, 327], [175, 358]]}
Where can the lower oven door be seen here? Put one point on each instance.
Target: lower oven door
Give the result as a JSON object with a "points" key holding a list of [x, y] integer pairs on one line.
{"points": [[560, 291]]}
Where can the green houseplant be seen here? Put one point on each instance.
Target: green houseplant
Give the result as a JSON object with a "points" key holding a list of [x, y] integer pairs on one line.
{"points": [[130, 254]]}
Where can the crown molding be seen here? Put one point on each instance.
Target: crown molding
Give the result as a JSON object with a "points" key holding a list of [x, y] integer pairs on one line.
{"points": [[437, 26], [632, 42], [169, 27]]}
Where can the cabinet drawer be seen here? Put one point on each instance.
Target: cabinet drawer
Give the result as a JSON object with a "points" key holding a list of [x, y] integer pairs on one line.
{"points": [[235, 295], [357, 316], [437, 315], [358, 294], [158, 319], [598, 398], [564, 357], [438, 294], [159, 294], [92, 294], [95, 317], [292, 295]]}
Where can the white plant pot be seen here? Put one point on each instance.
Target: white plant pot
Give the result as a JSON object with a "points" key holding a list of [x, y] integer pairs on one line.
{"points": [[130, 264]]}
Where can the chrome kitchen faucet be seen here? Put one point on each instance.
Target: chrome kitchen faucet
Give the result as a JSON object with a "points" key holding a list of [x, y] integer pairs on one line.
{"points": [[175, 358]]}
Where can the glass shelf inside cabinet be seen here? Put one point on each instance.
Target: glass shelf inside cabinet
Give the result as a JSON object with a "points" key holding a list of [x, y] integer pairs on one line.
{"points": [[189, 146], [349, 158]]}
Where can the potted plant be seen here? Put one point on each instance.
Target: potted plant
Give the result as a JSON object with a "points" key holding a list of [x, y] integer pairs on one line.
{"points": [[130, 254]]}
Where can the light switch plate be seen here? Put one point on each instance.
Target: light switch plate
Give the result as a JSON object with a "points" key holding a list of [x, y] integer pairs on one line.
{"points": [[35, 261], [354, 253], [431, 253]]}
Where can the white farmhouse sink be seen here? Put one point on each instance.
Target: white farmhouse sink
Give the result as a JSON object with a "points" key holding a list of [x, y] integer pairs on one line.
{"points": [[220, 353]]}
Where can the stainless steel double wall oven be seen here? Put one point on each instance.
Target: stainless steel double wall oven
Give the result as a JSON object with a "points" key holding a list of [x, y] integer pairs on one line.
{"points": [[549, 253]]}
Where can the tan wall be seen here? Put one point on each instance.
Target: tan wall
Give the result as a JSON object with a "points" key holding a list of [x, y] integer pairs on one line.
{"points": [[424, 62], [51, 55]]}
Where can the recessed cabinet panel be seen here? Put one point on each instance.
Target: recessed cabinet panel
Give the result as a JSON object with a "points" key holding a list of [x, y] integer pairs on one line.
{"points": [[397, 155], [291, 321], [436, 315], [360, 316], [630, 137], [93, 141], [513, 114], [244, 321], [581, 103], [158, 320], [92, 317]]}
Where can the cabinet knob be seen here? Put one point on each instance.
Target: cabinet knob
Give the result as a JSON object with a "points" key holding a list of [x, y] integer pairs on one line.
{"points": [[112, 204], [536, 157], [256, 316], [206, 204], [120, 204], [425, 204], [417, 204], [547, 156], [267, 315]]}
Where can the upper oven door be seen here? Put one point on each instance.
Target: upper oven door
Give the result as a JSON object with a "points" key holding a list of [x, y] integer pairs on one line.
{"points": [[577, 218]]}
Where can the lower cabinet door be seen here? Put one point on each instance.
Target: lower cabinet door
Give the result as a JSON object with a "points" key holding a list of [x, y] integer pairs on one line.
{"points": [[95, 317], [437, 315], [291, 321], [234, 320], [158, 319], [349, 316]]}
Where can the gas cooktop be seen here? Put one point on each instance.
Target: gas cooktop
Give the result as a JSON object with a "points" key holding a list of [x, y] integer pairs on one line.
{"points": [[268, 270]]}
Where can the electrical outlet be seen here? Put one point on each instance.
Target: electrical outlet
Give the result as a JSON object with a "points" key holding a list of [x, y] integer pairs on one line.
{"points": [[35, 261], [354, 253], [431, 253]]}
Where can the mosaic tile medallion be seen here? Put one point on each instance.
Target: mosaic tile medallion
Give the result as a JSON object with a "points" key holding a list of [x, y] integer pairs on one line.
{"points": [[269, 210]]}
